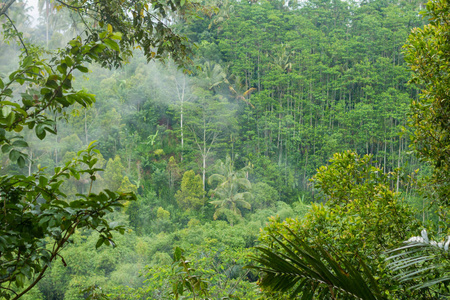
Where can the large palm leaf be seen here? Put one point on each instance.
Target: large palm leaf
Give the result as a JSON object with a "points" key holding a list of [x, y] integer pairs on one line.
{"points": [[231, 190], [423, 264], [312, 272]]}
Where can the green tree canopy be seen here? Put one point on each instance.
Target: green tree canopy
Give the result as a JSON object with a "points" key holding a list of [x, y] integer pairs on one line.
{"points": [[113, 174], [362, 217], [191, 197]]}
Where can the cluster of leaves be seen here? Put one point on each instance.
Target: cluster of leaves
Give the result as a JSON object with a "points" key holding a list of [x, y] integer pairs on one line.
{"points": [[143, 24], [48, 87], [185, 277], [427, 53], [360, 196], [207, 272], [37, 221], [362, 218]]}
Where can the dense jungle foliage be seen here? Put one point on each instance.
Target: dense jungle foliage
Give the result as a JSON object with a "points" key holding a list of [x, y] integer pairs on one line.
{"points": [[292, 152]]}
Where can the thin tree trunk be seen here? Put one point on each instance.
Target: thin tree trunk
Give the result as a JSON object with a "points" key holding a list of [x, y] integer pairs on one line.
{"points": [[47, 4], [85, 127], [398, 162], [204, 155], [181, 117], [30, 162]]}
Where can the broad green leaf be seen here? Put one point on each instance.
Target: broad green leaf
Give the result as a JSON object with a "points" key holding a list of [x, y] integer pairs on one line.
{"points": [[112, 45], [21, 161], [20, 143], [6, 148], [40, 132], [82, 69], [14, 155], [99, 242], [27, 61]]}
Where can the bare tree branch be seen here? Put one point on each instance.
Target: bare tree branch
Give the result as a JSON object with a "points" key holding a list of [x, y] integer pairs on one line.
{"points": [[6, 6], [5, 288], [70, 6], [18, 33]]}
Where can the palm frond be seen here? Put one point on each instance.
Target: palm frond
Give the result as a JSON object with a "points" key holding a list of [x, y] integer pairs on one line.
{"points": [[219, 212], [422, 263], [239, 200], [216, 178], [312, 271]]}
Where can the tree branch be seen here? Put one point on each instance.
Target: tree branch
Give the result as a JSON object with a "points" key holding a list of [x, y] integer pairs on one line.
{"points": [[6, 6], [5, 288], [17, 31], [70, 6], [55, 253]]}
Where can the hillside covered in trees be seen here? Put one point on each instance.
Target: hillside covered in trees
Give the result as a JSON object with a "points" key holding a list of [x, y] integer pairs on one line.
{"points": [[289, 121]]}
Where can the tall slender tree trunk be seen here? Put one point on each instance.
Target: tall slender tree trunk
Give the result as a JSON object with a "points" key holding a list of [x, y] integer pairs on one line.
{"points": [[56, 149], [181, 116], [30, 162], [47, 8], [85, 127], [181, 91], [181, 128], [398, 161], [204, 155], [385, 144], [204, 171]]}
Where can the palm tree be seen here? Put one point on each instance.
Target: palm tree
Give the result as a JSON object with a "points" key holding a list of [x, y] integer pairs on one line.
{"points": [[65, 22], [222, 12], [231, 192], [49, 10], [212, 76], [240, 91], [291, 265], [283, 59]]}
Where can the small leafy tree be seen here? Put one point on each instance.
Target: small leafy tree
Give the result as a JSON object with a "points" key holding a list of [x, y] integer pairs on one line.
{"points": [[360, 220], [173, 172], [191, 197], [113, 174]]}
